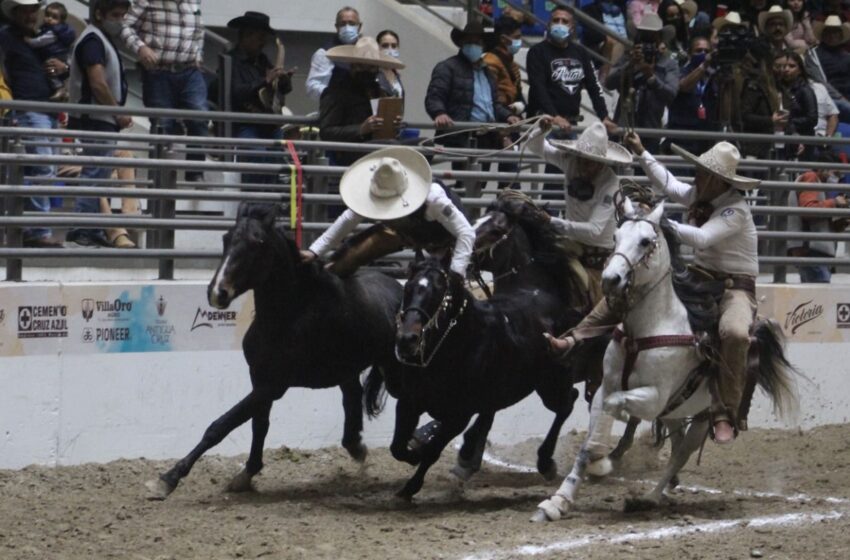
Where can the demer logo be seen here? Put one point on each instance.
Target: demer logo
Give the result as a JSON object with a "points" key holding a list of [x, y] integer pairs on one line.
{"points": [[206, 318]]}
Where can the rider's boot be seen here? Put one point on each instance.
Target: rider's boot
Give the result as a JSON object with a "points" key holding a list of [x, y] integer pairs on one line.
{"points": [[560, 347]]}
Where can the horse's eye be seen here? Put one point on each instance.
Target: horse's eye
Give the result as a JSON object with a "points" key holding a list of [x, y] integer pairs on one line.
{"points": [[645, 242]]}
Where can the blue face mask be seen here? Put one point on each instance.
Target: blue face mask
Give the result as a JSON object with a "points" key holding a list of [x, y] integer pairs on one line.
{"points": [[391, 52], [516, 45], [348, 34], [559, 32], [698, 59], [472, 52]]}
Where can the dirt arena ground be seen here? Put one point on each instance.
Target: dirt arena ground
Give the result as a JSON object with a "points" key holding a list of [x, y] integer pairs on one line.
{"points": [[774, 494]]}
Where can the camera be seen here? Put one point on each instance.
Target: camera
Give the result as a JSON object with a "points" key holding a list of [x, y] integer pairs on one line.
{"points": [[733, 42], [649, 51]]}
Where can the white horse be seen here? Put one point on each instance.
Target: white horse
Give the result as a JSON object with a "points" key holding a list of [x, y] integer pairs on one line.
{"points": [[653, 369]]}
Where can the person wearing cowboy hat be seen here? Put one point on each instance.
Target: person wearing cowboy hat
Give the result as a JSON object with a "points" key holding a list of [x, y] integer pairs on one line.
{"points": [[723, 235], [833, 35], [774, 24], [345, 110], [653, 75], [394, 187], [590, 185], [29, 79]]}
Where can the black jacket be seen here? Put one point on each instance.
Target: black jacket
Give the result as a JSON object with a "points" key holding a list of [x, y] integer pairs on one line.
{"points": [[836, 67], [556, 76], [247, 79], [343, 107], [451, 89], [803, 108]]}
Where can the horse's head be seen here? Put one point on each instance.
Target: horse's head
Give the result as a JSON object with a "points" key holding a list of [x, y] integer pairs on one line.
{"points": [[492, 233], [249, 249], [431, 296], [639, 256]]}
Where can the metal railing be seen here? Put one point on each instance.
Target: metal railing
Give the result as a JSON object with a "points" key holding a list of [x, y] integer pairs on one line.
{"points": [[160, 169]]}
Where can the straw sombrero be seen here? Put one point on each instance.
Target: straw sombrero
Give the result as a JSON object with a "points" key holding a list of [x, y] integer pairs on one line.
{"points": [[651, 23], [731, 18], [9, 5], [367, 52], [832, 22], [593, 144], [387, 184], [776, 11], [721, 160]]}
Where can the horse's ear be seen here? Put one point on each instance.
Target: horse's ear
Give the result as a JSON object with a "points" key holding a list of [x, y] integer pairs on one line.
{"points": [[656, 214], [274, 212]]}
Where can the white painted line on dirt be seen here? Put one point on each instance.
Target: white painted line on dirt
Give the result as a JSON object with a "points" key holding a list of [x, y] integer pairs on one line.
{"points": [[659, 534], [493, 460]]}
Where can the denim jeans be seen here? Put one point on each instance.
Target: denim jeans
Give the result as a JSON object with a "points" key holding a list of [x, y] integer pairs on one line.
{"points": [[275, 154], [177, 90], [38, 203], [91, 205], [843, 110], [817, 274]]}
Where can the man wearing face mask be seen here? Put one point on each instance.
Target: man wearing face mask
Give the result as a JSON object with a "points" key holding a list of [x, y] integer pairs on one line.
{"points": [[97, 78], [348, 26]]}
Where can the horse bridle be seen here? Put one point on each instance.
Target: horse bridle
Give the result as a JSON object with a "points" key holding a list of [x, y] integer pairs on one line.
{"points": [[628, 297], [433, 322]]}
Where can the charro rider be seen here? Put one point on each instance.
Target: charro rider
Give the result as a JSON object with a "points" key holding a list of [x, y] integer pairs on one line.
{"points": [[590, 185], [723, 236], [394, 187]]}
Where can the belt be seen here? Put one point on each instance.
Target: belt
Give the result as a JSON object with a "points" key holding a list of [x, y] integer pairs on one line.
{"points": [[176, 66], [730, 281]]}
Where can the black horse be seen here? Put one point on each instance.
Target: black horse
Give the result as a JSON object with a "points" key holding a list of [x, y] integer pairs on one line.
{"points": [[479, 357], [311, 329]]}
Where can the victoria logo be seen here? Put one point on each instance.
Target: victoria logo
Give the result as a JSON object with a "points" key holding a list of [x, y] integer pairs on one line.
{"points": [[804, 313], [160, 306], [87, 306]]}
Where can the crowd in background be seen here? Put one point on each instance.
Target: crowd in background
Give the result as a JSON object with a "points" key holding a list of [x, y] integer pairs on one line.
{"points": [[742, 65]]}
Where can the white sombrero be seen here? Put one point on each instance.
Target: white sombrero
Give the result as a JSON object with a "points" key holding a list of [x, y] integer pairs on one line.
{"points": [[831, 22], [387, 184], [775, 12], [9, 5], [688, 7], [721, 160], [731, 18], [366, 51], [593, 144]]}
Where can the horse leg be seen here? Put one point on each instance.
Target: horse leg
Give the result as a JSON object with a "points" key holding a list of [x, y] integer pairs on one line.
{"points": [[352, 405], [626, 441], [472, 451], [406, 418], [555, 507], [217, 431], [259, 429], [546, 466], [683, 447], [642, 402], [431, 453]]}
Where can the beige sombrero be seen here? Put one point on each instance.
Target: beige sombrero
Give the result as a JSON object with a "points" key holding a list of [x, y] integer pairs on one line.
{"points": [[651, 22], [387, 184], [832, 22], [731, 18], [721, 160], [688, 7], [593, 144], [366, 51], [776, 11]]}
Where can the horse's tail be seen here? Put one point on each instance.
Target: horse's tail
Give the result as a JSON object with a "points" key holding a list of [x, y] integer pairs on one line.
{"points": [[374, 394], [776, 375]]}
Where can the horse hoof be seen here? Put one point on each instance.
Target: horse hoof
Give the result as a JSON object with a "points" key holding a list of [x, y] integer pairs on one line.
{"points": [[402, 500], [600, 468], [158, 489], [633, 505], [240, 483], [462, 473], [539, 516], [550, 473], [358, 452]]}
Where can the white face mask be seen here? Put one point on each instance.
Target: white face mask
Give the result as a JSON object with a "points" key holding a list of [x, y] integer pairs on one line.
{"points": [[391, 52], [112, 27]]}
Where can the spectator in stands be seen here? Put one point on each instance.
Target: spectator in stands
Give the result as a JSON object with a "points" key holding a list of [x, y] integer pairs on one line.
{"points": [[348, 26], [695, 106], [254, 86], [650, 73], [816, 199], [345, 110], [774, 25], [639, 8], [672, 15], [97, 78], [29, 80], [557, 72], [835, 61], [827, 110], [840, 8], [168, 39], [760, 111], [801, 103], [750, 13], [54, 40], [119, 237], [611, 13], [389, 79], [800, 37]]}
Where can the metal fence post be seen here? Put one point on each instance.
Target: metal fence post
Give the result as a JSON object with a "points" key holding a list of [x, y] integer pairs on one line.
{"points": [[779, 222], [15, 207], [167, 210]]}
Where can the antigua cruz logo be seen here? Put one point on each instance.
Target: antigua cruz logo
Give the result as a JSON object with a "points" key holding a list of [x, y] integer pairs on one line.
{"points": [[160, 306], [87, 307], [804, 313]]}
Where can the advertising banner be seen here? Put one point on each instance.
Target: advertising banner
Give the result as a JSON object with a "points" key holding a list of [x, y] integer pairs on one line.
{"points": [[808, 313]]}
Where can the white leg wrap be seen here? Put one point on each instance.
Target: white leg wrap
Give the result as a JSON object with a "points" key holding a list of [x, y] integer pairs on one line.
{"points": [[555, 507]]}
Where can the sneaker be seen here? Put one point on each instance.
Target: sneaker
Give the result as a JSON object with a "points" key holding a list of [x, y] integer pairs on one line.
{"points": [[42, 243], [83, 238]]}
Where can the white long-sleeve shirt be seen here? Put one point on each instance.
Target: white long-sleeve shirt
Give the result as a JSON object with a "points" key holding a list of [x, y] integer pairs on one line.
{"points": [[728, 241], [593, 221], [438, 208], [321, 69]]}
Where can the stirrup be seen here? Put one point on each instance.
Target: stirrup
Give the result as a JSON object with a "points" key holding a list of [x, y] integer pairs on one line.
{"points": [[722, 417]]}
